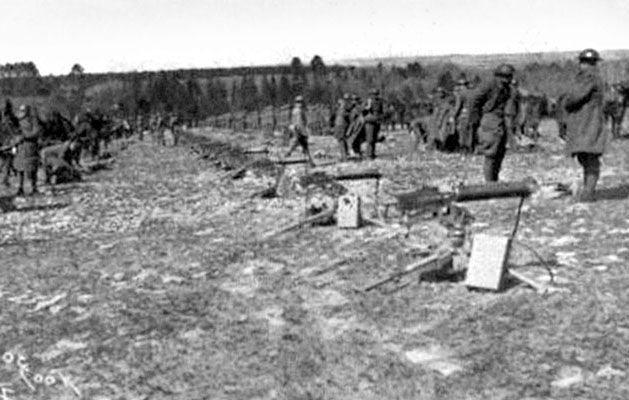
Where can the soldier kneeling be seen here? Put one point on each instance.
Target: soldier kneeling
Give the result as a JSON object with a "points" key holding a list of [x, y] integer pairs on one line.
{"points": [[58, 162]]}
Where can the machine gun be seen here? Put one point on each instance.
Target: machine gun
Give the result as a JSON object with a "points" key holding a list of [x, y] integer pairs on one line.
{"points": [[431, 199]]}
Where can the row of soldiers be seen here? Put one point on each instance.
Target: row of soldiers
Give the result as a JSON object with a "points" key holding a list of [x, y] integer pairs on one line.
{"points": [[355, 123], [480, 120]]}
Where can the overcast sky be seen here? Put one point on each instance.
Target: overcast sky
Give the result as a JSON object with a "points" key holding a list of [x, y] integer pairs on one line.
{"points": [[122, 35]]}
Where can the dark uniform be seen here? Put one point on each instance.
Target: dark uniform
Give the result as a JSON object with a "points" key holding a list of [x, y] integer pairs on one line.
{"points": [[487, 116], [299, 130], [59, 159], [341, 124], [374, 111], [9, 129], [461, 117], [27, 155], [356, 130], [160, 126], [513, 111], [442, 122], [583, 107], [175, 127]]}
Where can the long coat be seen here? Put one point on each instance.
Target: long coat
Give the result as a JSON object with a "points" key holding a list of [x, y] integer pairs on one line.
{"points": [[583, 106], [342, 119], [487, 112], [27, 156]]}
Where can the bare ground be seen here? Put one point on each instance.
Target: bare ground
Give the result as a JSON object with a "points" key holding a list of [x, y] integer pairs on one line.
{"points": [[150, 281]]}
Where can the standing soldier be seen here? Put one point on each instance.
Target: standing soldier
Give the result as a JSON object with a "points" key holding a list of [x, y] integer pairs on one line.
{"points": [[9, 129], [299, 130], [175, 127], [441, 120], [487, 114], [160, 127], [583, 106], [355, 131], [341, 124], [27, 156], [513, 115], [460, 116], [374, 110]]}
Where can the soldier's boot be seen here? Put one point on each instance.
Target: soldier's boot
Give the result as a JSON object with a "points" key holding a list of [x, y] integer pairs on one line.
{"points": [[5, 177], [343, 149], [371, 138], [311, 162], [488, 169], [591, 172], [371, 150], [33, 179], [588, 195], [20, 188]]}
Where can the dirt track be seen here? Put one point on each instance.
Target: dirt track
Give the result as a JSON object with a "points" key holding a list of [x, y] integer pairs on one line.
{"points": [[149, 281]]}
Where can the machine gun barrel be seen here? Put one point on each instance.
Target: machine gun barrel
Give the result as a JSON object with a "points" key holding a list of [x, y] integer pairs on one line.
{"points": [[492, 191], [431, 197], [359, 175]]}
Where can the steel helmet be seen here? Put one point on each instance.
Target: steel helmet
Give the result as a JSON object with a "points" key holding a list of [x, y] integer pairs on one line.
{"points": [[504, 70], [589, 55], [299, 99]]}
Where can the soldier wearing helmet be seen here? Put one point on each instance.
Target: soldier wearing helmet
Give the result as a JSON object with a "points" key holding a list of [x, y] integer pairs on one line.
{"points": [[355, 135], [460, 115], [341, 123], [27, 155], [442, 129], [487, 119], [583, 107], [373, 111], [298, 129]]}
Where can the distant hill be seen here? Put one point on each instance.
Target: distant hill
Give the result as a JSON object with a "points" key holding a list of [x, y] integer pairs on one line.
{"points": [[483, 60]]}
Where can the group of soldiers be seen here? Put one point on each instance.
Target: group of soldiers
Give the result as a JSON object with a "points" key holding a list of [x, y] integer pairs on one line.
{"points": [[29, 142], [481, 120], [355, 123], [489, 122], [160, 123]]}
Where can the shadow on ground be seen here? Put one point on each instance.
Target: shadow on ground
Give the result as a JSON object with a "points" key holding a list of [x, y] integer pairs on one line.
{"points": [[614, 193]]}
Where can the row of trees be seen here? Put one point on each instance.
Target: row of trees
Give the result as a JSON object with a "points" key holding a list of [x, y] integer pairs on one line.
{"points": [[198, 94]]}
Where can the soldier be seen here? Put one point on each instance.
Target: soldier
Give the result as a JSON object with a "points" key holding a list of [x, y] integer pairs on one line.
{"points": [[159, 126], [341, 123], [59, 159], [460, 117], [299, 130], [487, 115], [356, 130], [27, 155], [9, 129], [373, 111], [442, 122], [583, 107], [174, 123], [513, 122]]}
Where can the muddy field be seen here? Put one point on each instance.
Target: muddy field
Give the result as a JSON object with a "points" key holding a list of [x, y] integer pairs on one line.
{"points": [[151, 280]]}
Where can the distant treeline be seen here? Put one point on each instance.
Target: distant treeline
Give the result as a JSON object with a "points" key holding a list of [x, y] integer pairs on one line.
{"points": [[197, 94]]}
